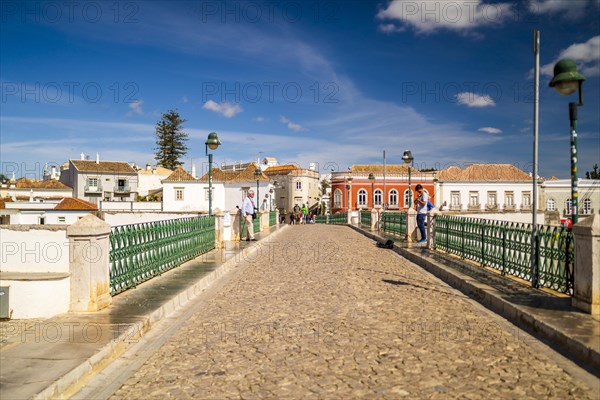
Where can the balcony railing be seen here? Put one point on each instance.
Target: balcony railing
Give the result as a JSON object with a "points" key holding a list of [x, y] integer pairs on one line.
{"points": [[510, 207], [491, 207], [474, 206], [122, 189], [93, 189]]}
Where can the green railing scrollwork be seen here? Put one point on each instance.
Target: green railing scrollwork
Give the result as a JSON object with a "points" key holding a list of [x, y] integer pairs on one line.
{"points": [[338, 218], [365, 218], [506, 247], [394, 223], [139, 252]]}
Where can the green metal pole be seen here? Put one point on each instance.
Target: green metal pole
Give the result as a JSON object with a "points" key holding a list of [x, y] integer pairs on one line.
{"points": [[210, 161], [574, 191]]}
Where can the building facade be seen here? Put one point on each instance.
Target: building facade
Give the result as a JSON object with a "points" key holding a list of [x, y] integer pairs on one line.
{"points": [[557, 196], [293, 186], [101, 180], [353, 190]]}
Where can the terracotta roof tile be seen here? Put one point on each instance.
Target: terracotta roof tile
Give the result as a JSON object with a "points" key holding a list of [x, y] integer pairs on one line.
{"points": [[119, 167], [180, 175], [159, 171], [24, 183], [378, 168], [484, 172], [71, 203], [245, 175]]}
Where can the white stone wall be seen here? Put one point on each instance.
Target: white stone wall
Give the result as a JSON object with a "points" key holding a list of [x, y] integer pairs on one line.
{"points": [[34, 249], [130, 206], [126, 218], [147, 182], [37, 299], [445, 189]]}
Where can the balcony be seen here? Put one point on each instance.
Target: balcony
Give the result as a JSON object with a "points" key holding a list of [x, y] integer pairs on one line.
{"points": [[122, 189], [509, 207], [491, 207], [455, 207], [526, 207], [474, 207], [93, 189]]}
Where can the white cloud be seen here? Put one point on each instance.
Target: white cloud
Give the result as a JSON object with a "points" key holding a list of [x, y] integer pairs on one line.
{"points": [[136, 107], [474, 100], [493, 131], [586, 55], [226, 109], [185, 99], [569, 9], [291, 125], [258, 119], [428, 16]]}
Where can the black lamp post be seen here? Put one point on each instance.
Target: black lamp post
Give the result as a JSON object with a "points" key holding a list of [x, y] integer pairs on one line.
{"points": [[408, 158], [211, 143], [372, 179], [567, 80], [257, 174]]}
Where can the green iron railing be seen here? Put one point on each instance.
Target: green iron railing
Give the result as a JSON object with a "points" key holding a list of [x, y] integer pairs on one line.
{"points": [[394, 223], [256, 224], [272, 218], [339, 218], [506, 246], [320, 219], [365, 218], [140, 252]]}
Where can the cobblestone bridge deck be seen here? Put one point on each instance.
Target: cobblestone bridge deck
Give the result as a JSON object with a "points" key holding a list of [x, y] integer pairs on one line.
{"points": [[320, 312]]}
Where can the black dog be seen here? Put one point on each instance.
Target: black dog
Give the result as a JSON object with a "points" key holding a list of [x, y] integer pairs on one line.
{"points": [[389, 244]]}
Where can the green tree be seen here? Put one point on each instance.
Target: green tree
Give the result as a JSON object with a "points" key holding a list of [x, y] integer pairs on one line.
{"points": [[594, 174], [170, 140], [3, 178]]}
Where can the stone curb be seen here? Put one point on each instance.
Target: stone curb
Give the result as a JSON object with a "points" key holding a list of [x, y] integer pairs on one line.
{"points": [[492, 299], [116, 347]]}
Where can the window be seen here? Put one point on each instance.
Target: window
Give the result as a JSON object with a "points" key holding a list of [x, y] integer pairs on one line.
{"points": [[526, 199], [62, 220], [377, 197], [509, 199], [455, 199], [41, 220], [337, 198], [93, 182], [550, 205], [407, 198], [474, 199], [568, 205], [122, 184], [587, 206], [393, 198], [178, 194], [492, 199], [298, 185], [362, 197]]}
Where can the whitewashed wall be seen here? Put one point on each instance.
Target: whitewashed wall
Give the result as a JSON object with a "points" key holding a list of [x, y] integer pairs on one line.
{"points": [[126, 218], [194, 198], [130, 206], [445, 189]]}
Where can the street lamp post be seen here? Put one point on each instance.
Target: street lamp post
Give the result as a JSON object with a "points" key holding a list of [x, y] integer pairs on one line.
{"points": [[408, 158], [567, 80], [372, 179], [257, 174], [212, 142]]}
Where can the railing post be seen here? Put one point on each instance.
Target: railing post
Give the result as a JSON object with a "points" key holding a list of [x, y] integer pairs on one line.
{"points": [[374, 219], [411, 225], [431, 230], [219, 230], [586, 271], [89, 248], [276, 216]]}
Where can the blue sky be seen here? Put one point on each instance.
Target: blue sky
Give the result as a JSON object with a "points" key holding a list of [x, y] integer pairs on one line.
{"points": [[331, 82]]}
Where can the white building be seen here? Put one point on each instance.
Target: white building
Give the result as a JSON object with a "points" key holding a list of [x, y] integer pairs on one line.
{"points": [[44, 212], [184, 193], [150, 179], [557, 196], [484, 188], [236, 183], [294, 186]]}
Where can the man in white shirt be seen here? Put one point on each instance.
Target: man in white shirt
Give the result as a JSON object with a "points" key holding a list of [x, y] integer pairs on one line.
{"points": [[421, 204], [248, 210]]}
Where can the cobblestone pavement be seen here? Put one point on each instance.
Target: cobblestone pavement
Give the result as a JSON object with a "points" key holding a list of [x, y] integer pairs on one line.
{"points": [[323, 313]]}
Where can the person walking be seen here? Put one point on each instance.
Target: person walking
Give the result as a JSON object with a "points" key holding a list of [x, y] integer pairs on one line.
{"points": [[248, 210], [304, 213], [421, 206]]}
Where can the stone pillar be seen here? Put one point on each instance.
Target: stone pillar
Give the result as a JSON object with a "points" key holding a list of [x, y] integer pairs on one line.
{"points": [[586, 272], [374, 220], [277, 216], [89, 248], [219, 230], [264, 220], [411, 225]]}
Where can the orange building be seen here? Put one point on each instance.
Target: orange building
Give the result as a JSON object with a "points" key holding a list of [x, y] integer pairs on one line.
{"points": [[353, 190]]}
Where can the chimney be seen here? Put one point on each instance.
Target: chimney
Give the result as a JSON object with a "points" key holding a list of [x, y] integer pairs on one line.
{"points": [[148, 167], [82, 156], [97, 158], [194, 170]]}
